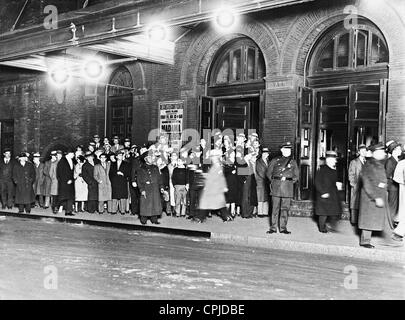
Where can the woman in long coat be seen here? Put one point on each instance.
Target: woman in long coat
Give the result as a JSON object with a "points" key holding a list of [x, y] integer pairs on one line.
{"points": [[231, 181], [150, 186], [24, 178], [327, 195], [81, 189], [101, 174], [262, 184], [213, 194]]}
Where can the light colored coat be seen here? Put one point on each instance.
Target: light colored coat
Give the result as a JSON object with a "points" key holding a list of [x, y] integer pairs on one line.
{"points": [[213, 194], [104, 183], [81, 190], [53, 178], [355, 168]]}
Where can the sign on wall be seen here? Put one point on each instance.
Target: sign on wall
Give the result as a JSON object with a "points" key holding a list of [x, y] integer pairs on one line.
{"points": [[171, 121]]}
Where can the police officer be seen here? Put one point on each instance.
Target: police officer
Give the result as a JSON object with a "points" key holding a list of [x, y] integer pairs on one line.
{"points": [[282, 173]]}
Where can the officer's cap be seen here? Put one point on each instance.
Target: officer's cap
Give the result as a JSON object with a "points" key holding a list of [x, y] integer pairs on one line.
{"points": [[391, 145], [287, 144]]}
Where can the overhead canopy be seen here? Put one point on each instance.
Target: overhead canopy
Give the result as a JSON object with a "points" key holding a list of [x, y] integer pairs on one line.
{"points": [[118, 29]]}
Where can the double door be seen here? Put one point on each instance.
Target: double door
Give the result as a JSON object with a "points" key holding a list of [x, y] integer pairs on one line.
{"points": [[232, 115], [338, 119]]}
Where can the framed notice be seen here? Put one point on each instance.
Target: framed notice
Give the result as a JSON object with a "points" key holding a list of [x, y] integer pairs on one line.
{"points": [[171, 115]]}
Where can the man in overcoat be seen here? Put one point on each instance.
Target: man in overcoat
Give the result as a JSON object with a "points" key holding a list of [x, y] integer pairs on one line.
{"points": [[92, 184], [39, 184], [374, 212], [282, 173], [7, 189], [66, 187], [24, 178], [150, 186], [327, 196], [119, 174], [394, 150], [101, 174], [355, 167]]}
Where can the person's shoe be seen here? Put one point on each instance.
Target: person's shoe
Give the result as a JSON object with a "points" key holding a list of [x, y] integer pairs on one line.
{"points": [[228, 219], [189, 217], [3, 207], [396, 237], [367, 245], [69, 214], [285, 232], [20, 211], [271, 231], [197, 220], [155, 222], [323, 231], [9, 207]]}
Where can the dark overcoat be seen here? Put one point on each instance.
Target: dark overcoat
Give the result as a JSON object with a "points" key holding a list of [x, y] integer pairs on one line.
{"points": [[355, 168], [392, 186], [325, 182], [64, 173], [149, 180], [232, 183], [374, 185], [262, 182], [6, 170], [39, 184], [278, 168], [24, 178], [119, 183], [92, 184]]}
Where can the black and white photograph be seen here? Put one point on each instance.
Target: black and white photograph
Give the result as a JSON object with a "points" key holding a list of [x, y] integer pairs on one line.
{"points": [[202, 155]]}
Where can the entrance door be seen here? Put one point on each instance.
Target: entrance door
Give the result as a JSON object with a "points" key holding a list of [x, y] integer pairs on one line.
{"points": [[120, 116], [347, 118], [333, 125], [233, 114]]}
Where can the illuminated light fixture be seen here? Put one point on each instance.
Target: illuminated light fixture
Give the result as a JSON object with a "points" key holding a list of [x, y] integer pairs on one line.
{"points": [[59, 75], [157, 32], [93, 69], [225, 18]]}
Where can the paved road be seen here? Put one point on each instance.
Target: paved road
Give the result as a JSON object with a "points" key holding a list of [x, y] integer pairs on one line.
{"points": [[104, 263]]}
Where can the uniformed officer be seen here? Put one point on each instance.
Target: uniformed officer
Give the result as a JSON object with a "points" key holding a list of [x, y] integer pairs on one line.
{"points": [[282, 173]]}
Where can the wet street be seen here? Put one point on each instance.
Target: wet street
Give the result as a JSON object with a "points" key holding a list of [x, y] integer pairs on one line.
{"points": [[50, 260]]}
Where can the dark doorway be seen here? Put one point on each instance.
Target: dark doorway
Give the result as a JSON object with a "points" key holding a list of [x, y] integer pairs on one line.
{"points": [[7, 135]]}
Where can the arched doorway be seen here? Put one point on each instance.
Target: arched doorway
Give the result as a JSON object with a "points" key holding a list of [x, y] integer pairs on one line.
{"points": [[120, 104], [344, 102], [235, 85]]}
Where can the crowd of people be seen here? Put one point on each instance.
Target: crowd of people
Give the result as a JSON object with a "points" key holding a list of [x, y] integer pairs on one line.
{"points": [[222, 176]]}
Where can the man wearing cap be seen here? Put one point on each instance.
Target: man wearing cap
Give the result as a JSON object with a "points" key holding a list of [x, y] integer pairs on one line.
{"points": [[6, 180], [127, 143], [394, 150], [374, 212], [39, 180], [282, 173], [24, 178], [92, 184], [355, 167], [66, 187], [119, 174], [327, 196]]}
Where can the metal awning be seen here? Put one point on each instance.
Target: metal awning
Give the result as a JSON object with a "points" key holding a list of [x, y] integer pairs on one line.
{"points": [[117, 30]]}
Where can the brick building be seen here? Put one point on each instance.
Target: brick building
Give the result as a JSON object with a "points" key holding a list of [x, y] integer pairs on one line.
{"points": [[323, 74]]}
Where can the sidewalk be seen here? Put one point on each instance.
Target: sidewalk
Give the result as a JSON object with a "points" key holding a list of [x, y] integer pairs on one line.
{"points": [[249, 232]]}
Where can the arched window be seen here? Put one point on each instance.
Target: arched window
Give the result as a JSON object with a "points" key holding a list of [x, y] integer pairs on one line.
{"points": [[239, 62], [355, 49], [120, 104]]}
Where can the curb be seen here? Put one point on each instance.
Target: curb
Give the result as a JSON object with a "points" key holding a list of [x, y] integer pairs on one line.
{"points": [[248, 241], [313, 248], [118, 225]]}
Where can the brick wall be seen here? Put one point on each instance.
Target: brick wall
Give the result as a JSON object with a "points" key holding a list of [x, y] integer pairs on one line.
{"points": [[285, 37]]}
